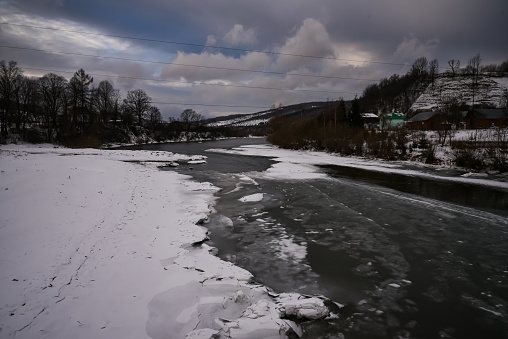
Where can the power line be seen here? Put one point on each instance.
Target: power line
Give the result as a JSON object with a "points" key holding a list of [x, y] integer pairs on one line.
{"points": [[180, 103], [203, 45], [156, 102], [185, 65], [208, 105], [189, 82]]}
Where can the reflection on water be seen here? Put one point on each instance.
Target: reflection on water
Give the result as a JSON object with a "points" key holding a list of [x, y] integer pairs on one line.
{"points": [[478, 196]]}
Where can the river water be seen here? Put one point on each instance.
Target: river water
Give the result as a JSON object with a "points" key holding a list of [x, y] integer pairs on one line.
{"points": [[407, 257]]}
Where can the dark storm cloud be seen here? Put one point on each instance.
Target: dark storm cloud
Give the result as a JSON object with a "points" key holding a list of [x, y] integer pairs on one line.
{"points": [[364, 35]]}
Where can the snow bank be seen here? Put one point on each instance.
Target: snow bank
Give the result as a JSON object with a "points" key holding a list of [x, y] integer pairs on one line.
{"points": [[302, 165], [101, 244]]}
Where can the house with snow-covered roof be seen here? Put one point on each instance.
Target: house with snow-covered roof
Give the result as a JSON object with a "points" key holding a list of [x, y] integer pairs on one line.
{"points": [[370, 120]]}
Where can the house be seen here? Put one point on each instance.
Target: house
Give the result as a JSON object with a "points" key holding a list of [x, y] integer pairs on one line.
{"points": [[370, 120], [391, 120], [487, 117], [431, 120]]}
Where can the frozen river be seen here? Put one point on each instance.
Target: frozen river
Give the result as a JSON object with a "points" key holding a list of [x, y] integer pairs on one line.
{"points": [[408, 257]]}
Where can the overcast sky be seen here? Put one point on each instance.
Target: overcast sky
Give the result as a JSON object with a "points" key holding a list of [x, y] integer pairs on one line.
{"points": [[161, 46]]}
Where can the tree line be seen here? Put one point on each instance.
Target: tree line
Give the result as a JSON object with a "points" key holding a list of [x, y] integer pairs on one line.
{"points": [[54, 109]]}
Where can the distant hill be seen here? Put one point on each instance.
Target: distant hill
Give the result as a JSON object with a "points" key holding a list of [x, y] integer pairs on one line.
{"points": [[397, 93], [260, 119], [491, 91]]}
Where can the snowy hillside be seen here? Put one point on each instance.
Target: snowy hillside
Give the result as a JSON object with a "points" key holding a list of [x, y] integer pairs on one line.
{"points": [[489, 91], [254, 119], [261, 118]]}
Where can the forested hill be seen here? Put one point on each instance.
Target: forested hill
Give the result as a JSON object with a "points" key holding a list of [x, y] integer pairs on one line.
{"points": [[307, 109], [426, 86]]}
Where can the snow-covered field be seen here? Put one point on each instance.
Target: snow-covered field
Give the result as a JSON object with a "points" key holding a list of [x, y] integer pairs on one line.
{"points": [[101, 244]]}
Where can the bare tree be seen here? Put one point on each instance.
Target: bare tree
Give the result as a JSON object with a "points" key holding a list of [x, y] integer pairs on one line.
{"points": [[154, 116], [139, 103], [197, 119], [449, 106], [26, 97], [10, 75], [433, 70], [474, 66], [187, 116], [419, 68], [126, 113], [106, 96], [454, 66], [52, 88], [80, 92]]}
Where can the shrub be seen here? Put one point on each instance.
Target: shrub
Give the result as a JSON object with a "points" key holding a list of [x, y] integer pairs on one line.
{"points": [[469, 158], [498, 159], [429, 154]]}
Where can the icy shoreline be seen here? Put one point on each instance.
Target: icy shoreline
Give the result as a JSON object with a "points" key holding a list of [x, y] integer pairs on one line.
{"points": [[301, 165], [101, 244]]}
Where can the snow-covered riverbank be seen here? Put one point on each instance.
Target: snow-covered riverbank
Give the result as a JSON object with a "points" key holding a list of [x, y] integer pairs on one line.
{"points": [[101, 244], [301, 164]]}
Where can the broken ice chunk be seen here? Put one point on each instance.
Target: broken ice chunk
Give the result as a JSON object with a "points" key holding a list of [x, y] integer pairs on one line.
{"points": [[301, 307]]}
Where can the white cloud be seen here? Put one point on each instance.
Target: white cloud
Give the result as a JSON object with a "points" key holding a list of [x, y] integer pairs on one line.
{"points": [[211, 40], [237, 35], [214, 65], [61, 35], [310, 39], [412, 48]]}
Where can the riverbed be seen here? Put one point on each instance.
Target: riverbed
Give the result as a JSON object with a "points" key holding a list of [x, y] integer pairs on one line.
{"points": [[408, 256]]}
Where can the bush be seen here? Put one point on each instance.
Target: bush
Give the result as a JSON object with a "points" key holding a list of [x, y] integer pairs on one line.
{"points": [[498, 159], [401, 139], [468, 158], [429, 154]]}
